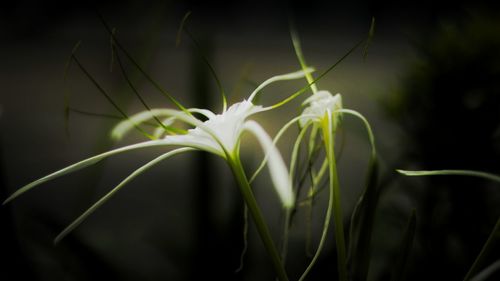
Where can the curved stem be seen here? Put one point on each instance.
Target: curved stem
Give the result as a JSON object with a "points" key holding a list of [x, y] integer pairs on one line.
{"points": [[328, 137], [257, 216]]}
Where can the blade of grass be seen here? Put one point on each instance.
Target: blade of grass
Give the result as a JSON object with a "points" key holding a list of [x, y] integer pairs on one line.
{"points": [[301, 91], [141, 99], [371, 33], [288, 213], [486, 251], [469, 173], [405, 248], [138, 66], [107, 96], [198, 49], [67, 91], [300, 57], [487, 272], [363, 215]]}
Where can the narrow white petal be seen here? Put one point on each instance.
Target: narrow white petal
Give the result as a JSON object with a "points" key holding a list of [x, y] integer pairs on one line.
{"points": [[82, 164], [277, 168], [126, 126], [117, 188], [160, 130]]}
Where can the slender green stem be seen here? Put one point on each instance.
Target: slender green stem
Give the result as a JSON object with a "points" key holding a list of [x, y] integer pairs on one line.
{"points": [[258, 218], [471, 173], [328, 136]]}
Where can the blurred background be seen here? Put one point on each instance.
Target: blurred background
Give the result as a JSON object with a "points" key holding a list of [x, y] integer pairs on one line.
{"points": [[430, 86]]}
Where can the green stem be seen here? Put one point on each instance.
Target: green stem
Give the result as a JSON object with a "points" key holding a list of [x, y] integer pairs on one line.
{"points": [[258, 218], [337, 207]]}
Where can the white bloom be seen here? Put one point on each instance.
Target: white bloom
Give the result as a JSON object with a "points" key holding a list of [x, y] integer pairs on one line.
{"points": [[221, 132], [320, 105]]}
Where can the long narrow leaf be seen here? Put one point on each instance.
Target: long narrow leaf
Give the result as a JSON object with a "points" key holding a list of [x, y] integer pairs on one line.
{"points": [[137, 94], [304, 89], [362, 219], [302, 61], [107, 96], [405, 248], [469, 173], [487, 272], [487, 251], [138, 66], [67, 91], [198, 49]]}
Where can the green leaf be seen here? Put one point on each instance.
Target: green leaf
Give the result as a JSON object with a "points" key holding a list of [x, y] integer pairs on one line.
{"points": [[106, 197], [487, 272], [371, 33], [301, 91], [300, 56], [67, 91], [487, 251], [138, 95], [138, 66], [451, 172], [363, 215], [198, 49], [107, 96], [405, 248]]}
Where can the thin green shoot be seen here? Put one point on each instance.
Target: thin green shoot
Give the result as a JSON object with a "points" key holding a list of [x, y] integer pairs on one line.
{"points": [[405, 248], [198, 49], [371, 34], [304, 89], [488, 248], [300, 57], [245, 240], [107, 96], [138, 66], [67, 91], [112, 47], [486, 273], [471, 173], [103, 115], [141, 99]]}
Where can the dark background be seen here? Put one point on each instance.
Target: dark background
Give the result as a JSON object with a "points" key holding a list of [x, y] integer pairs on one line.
{"points": [[429, 86]]}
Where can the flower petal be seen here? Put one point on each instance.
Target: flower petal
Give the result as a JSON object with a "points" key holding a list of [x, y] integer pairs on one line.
{"points": [[117, 188], [277, 168], [82, 164]]}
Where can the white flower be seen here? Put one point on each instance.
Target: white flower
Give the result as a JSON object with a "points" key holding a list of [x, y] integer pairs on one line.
{"points": [[322, 104], [219, 134]]}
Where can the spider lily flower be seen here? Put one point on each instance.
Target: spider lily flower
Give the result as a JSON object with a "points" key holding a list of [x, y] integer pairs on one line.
{"points": [[320, 106], [219, 134]]}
